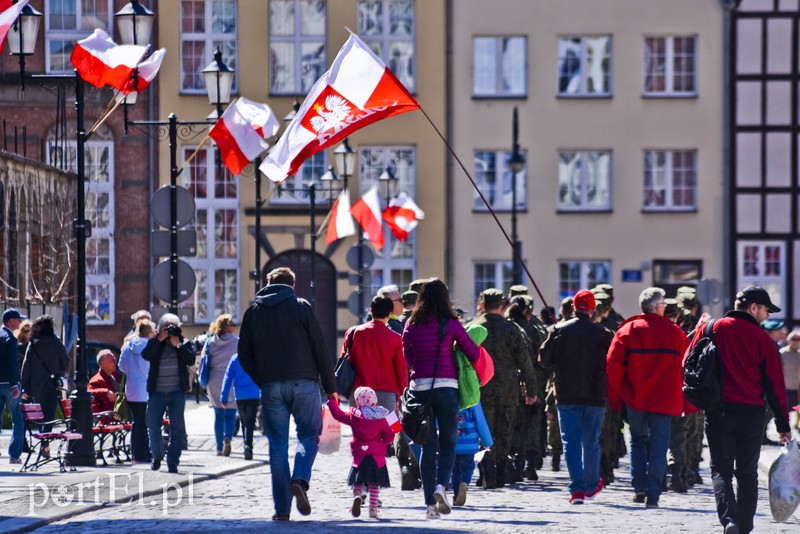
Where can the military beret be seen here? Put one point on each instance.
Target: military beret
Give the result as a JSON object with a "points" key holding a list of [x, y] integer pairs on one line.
{"points": [[687, 299], [566, 301], [606, 288], [601, 296], [416, 285], [672, 306], [409, 297], [517, 289], [687, 289], [492, 296]]}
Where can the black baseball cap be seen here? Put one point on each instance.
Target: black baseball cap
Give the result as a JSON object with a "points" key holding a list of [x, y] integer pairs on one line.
{"points": [[757, 295]]}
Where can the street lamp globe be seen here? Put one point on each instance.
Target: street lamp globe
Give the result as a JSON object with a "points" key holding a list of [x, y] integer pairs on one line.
{"points": [[329, 177], [387, 177], [218, 78], [345, 158], [517, 162], [135, 23], [22, 34]]}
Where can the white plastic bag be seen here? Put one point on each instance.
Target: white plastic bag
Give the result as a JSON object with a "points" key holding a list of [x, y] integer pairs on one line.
{"points": [[784, 483], [331, 436]]}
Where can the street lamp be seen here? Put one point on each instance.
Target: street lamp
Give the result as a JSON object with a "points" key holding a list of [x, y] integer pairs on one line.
{"points": [[516, 163], [218, 78], [135, 23], [22, 37], [387, 177], [329, 187]]}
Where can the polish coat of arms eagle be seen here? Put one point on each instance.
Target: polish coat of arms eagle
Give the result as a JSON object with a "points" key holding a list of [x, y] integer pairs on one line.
{"points": [[331, 115]]}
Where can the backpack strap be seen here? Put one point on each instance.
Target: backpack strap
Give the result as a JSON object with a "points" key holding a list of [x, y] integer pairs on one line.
{"points": [[708, 331]]}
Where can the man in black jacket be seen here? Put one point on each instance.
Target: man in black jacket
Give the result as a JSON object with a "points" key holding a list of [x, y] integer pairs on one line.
{"points": [[167, 382], [282, 349], [577, 349]]}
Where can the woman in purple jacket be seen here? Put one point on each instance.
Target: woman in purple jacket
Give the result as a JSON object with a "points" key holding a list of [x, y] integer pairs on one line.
{"points": [[434, 377]]}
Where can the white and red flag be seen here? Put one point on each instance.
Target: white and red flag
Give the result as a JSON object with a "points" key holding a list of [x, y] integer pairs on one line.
{"points": [[240, 133], [8, 17], [402, 215], [341, 221], [147, 71], [357, 90], [394, 422], [367, 212], [100, 61]]}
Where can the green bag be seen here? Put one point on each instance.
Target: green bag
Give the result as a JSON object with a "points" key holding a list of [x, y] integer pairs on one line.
{"points": [[121, 404], [469, 385]]}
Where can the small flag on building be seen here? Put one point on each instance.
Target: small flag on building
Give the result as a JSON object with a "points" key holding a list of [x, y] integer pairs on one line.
{"points": [[100, 61], [341, 222], [402, 215], [367, 212], [240, 133]]}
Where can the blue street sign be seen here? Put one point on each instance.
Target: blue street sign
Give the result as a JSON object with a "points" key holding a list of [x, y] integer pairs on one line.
{"points": [[631, 275]]}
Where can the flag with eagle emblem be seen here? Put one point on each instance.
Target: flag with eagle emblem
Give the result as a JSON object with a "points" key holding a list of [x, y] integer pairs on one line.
{"points": [[359, 89]]}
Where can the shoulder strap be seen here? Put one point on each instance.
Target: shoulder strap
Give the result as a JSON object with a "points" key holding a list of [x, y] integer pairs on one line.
{"points": [[41, 360], [708, 331], [349, 346]]}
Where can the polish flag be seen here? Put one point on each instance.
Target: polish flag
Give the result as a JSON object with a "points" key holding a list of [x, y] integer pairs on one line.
{"points": [[367, 211], [357, 90], [8, 17], [100, 61], [239, 133], [147, 71], [341, 222], [402, 215], [394, 422]]}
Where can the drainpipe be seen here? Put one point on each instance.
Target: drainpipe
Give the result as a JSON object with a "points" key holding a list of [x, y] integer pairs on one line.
{"points": [[448, 210]]}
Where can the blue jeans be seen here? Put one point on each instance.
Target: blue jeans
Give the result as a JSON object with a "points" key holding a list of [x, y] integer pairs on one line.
{"points": [[580, 433], [224, 423], [649, 443], [463, 469], [157, 404], [280, 400], [445, 410], [17, 421]]}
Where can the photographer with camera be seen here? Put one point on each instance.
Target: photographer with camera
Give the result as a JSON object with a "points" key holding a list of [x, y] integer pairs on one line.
{"points": [[170, 356]]}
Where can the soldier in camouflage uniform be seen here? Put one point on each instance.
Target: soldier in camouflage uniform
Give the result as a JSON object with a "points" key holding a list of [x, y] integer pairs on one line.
{"points": [[676, 455], [614, 319], [695, 422], [512, 364], [553, 428]]}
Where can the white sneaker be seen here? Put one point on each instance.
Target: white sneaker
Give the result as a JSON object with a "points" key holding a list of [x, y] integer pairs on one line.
{"points": [[432, 512], [440, 496], [373, 512]]}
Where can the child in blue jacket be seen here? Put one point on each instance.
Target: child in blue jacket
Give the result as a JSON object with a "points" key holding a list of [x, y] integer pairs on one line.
{"points": [[247, 395], [472, 434]]}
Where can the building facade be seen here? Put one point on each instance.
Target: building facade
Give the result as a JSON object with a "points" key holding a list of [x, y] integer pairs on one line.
{"points": [[621, 127]]}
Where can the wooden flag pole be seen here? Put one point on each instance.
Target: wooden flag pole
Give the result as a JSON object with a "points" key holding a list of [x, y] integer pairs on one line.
{"points": [[196, 150], [108, 111]]}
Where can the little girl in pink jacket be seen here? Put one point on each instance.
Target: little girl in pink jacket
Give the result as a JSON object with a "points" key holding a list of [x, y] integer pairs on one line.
{"points": [[371, 435]]}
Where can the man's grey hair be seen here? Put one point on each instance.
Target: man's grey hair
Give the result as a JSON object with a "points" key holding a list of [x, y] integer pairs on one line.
{"points": [[168, 318], [649, 298], [385, 291]]}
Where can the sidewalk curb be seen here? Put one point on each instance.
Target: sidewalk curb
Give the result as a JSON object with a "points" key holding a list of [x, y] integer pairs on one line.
{"points": [[24, 524]]}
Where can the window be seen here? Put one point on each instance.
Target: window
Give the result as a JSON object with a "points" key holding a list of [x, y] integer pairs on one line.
{"points": [[670, 180], [584, 181], [669, 275], [396, 262], [296, 45], [498, 192], [294, 189], [574, 275], [387, 27], [584, 66], [205, 26], [670, 66], [763, 263], [99, 169], [216, 222], [491, 274], [69, 21], [499, 66]]}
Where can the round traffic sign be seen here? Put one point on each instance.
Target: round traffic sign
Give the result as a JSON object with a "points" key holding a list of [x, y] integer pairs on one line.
{"points": [[354, 306], [161, 280], [367, 258], [160, 206]]}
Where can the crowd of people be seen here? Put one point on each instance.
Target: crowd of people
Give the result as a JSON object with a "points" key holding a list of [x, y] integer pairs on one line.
{"points": [[561, 386]]}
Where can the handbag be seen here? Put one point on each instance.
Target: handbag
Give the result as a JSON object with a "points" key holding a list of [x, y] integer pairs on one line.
{"points": [[121, 404], [416, 415], [59, 382], [205, 368], [345, 373]]}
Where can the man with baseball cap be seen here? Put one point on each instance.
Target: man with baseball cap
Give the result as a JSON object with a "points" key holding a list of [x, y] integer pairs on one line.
{"points": [[751, 373], [577, 350], [645, 372], [9, 381]]}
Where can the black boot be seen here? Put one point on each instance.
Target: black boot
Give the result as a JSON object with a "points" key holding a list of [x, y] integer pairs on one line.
{"points": [[512, 474], [500, 474], [519, 467], [530, 469], [555, 463], [489, 474]]}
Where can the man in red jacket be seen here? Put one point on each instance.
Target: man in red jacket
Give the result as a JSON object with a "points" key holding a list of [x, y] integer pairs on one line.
{"points": [[645, 371], [752, 371]]}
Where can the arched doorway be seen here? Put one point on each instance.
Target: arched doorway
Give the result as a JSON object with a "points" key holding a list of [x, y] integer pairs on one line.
{"points": [[299, 261]]}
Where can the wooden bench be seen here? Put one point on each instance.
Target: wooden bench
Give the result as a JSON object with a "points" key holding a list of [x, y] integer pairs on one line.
{"points": [[39, 441]]}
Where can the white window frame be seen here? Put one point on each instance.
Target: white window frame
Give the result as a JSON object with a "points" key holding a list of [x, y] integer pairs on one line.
{"points": [[385, 40], [293, 191], [583, 91], [501, 282], [498, 191], [297, 39], [497, 67], [72, 36], [669, 74], [584, 270], [94, 186], [209, 38], [775, 284], [583, 207], [385, 267], [211, 264], [668, 180]]}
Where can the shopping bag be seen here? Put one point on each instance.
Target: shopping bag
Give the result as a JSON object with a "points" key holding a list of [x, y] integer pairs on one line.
{"points": [[484, 366], [784, 483], [331, 436]]}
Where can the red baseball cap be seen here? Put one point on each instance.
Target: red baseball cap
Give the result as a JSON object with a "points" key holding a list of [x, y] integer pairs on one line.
{"points": [[584, 301]]}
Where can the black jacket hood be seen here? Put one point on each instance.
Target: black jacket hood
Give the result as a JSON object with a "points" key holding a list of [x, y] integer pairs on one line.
{"points": [[273, 294]]}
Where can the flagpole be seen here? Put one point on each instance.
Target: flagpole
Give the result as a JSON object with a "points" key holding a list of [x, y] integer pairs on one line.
{"points": [[325, 222], [488, 207], [105, 116], [196, 150]]}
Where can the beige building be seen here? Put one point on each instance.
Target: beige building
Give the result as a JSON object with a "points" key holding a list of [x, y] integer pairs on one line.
{"points": [[278, 49], [621, 125]]}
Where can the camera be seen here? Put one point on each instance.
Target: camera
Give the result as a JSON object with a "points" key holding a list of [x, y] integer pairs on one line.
{"points": [[174, 330]]}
